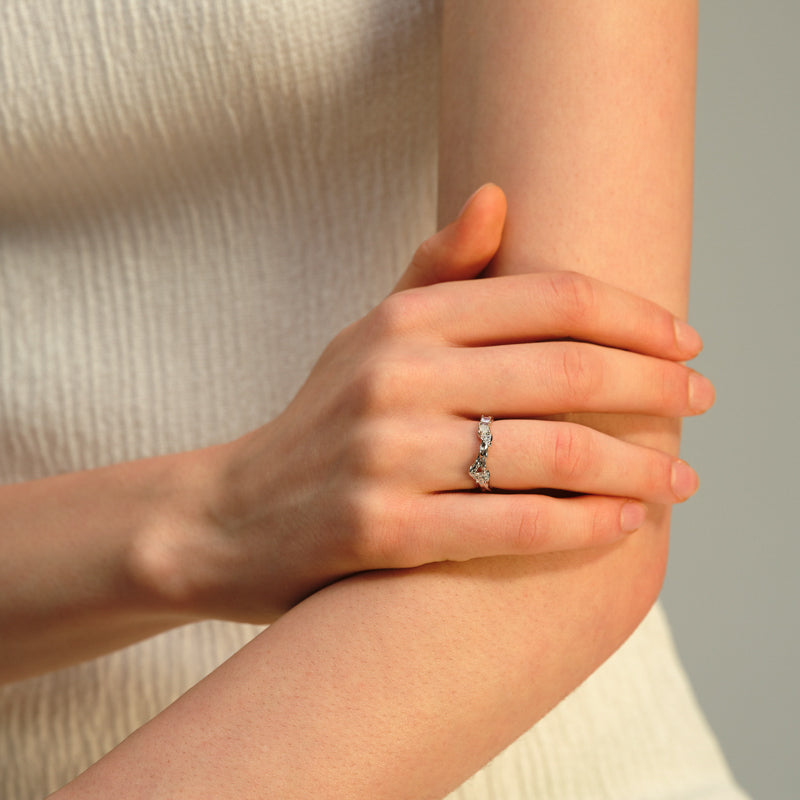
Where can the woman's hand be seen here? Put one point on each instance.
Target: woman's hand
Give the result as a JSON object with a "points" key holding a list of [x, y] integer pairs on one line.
{"points": [[367, 468]]}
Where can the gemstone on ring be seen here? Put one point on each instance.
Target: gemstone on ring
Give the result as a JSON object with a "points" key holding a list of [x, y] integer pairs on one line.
{"points": [[478, 470], [481, 475]]}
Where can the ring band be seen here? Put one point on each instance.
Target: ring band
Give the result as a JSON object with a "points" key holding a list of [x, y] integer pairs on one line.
{"points": [[478, 471]]}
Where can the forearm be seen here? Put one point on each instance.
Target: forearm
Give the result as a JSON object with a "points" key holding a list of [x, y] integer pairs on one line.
{"points": [[70, 588], [389, 685]]}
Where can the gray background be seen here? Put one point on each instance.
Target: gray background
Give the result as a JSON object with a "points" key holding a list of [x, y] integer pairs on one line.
{"points": [[732, 589]]}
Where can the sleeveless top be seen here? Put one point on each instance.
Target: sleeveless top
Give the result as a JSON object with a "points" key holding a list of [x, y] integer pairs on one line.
{"points": [[174, 177]]}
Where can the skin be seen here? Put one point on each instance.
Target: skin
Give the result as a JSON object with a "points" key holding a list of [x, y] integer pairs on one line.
{"points": [[351, 692], [139, 547]]}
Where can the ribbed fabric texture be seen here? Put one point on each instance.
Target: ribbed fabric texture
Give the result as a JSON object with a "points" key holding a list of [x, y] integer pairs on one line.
{"points": [[632, 731], [195, 196]]}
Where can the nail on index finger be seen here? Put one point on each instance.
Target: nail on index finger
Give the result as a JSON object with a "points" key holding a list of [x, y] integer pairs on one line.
{"points": [[687, 338]]}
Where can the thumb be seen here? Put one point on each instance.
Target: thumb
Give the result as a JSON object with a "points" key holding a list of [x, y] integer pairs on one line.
{"points": [[462, 249]]}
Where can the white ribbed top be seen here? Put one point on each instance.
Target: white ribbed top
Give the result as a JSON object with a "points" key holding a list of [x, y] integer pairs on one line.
{"points": [[195, 195]]}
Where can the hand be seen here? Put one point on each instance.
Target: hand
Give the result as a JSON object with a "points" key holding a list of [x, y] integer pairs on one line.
{"points": [[367, 467]]}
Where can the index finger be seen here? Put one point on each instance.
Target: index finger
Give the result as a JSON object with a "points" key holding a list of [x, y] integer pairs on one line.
{"points": [[554, 305]]}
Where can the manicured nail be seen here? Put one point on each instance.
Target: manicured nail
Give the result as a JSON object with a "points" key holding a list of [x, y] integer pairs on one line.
{"points": [[701, 393], [632, 516], [687, 338], [684, 480]]}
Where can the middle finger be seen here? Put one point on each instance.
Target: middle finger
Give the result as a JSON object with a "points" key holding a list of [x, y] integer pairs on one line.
{"points": [[546, 378]]}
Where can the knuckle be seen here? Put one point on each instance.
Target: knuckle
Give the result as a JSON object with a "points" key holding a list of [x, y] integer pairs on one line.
{"points": [[574, 295], [385, 381], [571, 453], [426, 256], [400, 313], [375, 451], [673, 392], [360, 512], [604, 522], [527, 530], [380, 530], [656, 475], [579, 374]]}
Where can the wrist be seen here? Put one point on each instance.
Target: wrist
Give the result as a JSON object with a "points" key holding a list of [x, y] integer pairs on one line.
{"points": [[171, 556]]}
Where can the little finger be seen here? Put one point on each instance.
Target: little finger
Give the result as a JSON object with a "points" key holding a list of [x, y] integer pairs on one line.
{"points": [[473, 525]]}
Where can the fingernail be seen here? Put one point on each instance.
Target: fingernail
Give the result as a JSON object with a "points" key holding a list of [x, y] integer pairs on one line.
{"points": [[701, 393], [684, 480], [687, 338], [632, 516], [471, 198]]}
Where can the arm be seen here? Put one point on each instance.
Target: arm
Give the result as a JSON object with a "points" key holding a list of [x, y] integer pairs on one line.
{"points": [[352, 693], [586, 117], [97, 559], [584, 114], [68, 592]]}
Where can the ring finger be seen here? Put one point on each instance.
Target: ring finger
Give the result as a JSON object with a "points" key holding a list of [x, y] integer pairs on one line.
{"points": [[529, 455]]}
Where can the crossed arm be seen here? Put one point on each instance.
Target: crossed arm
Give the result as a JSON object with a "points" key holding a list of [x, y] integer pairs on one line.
{"points": [[583, 113]]}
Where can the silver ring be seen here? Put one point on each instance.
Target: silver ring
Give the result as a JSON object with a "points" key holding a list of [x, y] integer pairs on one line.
{"points": [[478, 471]]}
